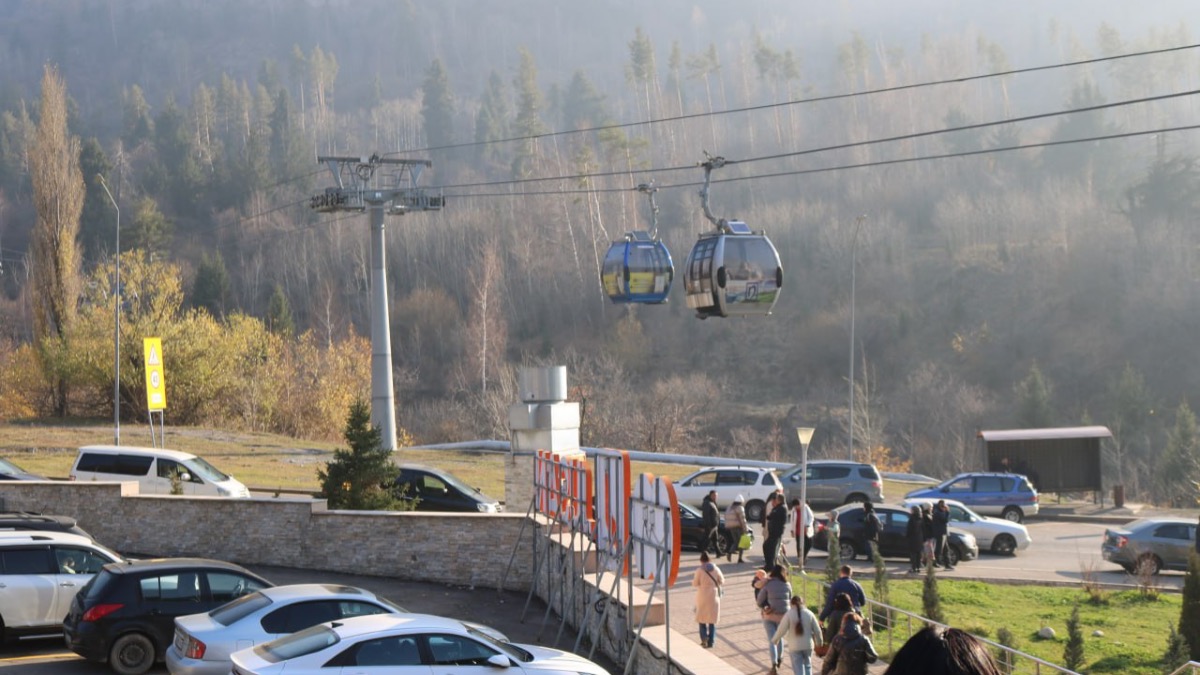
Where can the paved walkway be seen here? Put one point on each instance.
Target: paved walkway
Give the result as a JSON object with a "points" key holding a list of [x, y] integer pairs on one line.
{"points": [[741, 639]]}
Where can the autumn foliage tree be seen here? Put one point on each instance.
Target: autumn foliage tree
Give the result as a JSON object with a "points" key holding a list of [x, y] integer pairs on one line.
{"points": [[58, 193]]}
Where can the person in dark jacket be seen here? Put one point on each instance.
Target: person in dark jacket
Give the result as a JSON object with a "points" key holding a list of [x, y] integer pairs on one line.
{"points": [[776, 525], [711, 520], [935, 650], [871, 528], [915, 536], [844, 584], [941, 526], [850, 652], [927, 532]]}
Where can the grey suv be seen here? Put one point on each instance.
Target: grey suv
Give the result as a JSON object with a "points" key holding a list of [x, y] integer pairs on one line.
{"points": [[832, 482]]}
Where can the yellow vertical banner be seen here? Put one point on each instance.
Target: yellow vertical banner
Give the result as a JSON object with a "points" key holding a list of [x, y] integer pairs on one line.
{"points": [[156, 382]]}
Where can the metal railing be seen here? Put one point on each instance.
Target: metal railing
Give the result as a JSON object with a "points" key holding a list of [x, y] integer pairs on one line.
{"points": [[1191, 667], [886, 619]]}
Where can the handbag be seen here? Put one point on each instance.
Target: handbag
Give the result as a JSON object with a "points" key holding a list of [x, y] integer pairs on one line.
{"points": [[821, 650], [745, 542]]}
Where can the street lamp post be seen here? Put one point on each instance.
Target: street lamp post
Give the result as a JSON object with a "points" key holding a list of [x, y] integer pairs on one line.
{"points": [[853, 265], [805, 434], [116, 322]]}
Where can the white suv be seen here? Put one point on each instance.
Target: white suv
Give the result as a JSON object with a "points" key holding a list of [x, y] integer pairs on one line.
{"points": [[754, 485], [40, 573]]}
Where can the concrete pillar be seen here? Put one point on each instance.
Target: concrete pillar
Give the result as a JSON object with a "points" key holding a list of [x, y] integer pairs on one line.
{"points": [[542, 420]]}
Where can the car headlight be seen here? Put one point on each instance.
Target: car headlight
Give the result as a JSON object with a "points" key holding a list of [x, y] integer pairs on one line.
{"points": [[485, 507]]}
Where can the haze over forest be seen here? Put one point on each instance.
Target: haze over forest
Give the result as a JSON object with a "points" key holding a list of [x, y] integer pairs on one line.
{"points": [[1051, 286]]}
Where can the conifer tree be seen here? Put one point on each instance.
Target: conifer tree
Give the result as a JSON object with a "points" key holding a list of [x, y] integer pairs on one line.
{"points": [[437, 107], [360, 477], [1176, 653], [1189, 613], [930, 599], [1073, 651]]}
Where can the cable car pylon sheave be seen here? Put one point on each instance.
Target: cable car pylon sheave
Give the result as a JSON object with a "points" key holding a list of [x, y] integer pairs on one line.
{"points": [[734, 270], [639, 268]]}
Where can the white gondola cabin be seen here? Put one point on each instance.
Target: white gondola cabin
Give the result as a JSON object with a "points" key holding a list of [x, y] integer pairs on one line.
{"points": [[734, 271]]}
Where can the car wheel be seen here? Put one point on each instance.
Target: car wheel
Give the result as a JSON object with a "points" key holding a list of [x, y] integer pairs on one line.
{"points": [[1004, 544], [754, 511], [131, 654], [847, 550], [1012, 514], [1149, 564], [952, 556], [722, 541], [856, 498]]}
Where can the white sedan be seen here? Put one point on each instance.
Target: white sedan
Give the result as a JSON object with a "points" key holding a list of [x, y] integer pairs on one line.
{"points": [[1000, 536], [402, 644], [203, 642]]}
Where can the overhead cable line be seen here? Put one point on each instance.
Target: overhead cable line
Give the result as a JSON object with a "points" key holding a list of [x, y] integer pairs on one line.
{"points": [[816, 99], [844, 167], [845, 146]]}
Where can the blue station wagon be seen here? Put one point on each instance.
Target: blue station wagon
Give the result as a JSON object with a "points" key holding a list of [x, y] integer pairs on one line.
{"points": [[1009, 495]]}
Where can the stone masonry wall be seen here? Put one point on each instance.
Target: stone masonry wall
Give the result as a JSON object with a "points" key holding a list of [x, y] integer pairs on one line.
{"points": [[469, 549]]}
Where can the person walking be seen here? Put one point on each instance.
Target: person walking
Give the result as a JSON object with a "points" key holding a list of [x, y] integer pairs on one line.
{"points": [[801, 633], [709, 584], [941, 530], [808, 523], [845, 583], [850, 652], [927, 533], [776, 526], [735, 524], [871, 528], [711, 521], [915, 537], [774, 593], [842, 605]]}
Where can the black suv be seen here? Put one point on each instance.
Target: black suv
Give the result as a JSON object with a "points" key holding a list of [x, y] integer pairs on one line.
{"points": [[28, 520], [125, 615]]}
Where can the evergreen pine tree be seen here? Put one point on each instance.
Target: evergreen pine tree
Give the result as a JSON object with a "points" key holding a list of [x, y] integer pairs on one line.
{"points": [[1189, 613], [1176, 653], [279, 314], [1180, 460], [833, 564], [881, 585], [360, 478], [437, 107], [1073, 651], [930, 598], [1004, 658]]}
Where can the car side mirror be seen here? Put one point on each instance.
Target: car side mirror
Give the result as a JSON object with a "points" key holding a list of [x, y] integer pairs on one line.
{"points": [[185, 476], [499, 661], [946, 489]]}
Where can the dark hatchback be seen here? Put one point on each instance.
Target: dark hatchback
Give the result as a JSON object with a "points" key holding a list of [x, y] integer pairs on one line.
{"points": [[10, 471], [691, 530], [893, 540], [125, 616], [437, 490]]}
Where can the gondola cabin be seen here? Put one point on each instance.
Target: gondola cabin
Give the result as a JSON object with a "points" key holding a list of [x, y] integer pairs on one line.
{"points": [[731, 272], [638, 269]]}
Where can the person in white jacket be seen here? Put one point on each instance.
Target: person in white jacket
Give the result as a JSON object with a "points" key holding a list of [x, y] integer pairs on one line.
{"points": [[803, 634]]}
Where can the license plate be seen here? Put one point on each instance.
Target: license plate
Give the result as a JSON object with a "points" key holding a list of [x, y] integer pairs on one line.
{"points": [[180, 642]]}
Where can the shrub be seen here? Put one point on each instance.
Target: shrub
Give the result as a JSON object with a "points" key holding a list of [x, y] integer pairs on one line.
{"points": [[1073, 651]]}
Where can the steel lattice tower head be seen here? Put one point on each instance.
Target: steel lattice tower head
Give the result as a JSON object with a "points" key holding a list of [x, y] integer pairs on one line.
{"points": [[381, 187]]}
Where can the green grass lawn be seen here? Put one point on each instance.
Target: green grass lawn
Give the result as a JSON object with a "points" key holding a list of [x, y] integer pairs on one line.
{"points": [[1134, 626]]}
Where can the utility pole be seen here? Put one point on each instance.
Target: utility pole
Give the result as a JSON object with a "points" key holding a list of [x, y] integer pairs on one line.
{"points": [[380, 187]]}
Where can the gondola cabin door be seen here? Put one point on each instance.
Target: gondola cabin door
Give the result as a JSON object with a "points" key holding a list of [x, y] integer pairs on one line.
{"points": [[733, 272]]}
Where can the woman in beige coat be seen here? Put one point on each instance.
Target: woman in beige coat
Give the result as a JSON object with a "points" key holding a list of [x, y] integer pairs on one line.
{"points": [[708, 582]]}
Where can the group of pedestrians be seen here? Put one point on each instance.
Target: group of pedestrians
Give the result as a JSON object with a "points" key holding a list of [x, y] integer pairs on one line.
{"points": [[926, 534]]}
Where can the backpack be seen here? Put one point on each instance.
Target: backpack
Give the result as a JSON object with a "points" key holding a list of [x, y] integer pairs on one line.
{"points": [[871, 526]]}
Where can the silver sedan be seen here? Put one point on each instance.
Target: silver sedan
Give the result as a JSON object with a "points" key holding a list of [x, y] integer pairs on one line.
{"points": [[1000, 536]]}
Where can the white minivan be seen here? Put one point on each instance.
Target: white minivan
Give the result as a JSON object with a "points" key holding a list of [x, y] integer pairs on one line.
{"points": [[154, 469]]}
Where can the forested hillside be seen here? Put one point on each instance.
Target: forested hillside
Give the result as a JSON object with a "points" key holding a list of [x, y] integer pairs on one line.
{"points": [[1048, 286]]}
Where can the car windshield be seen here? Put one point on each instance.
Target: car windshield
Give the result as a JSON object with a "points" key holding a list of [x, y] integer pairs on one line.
{"points": [[206, 470], [451, 479], [306, 641], [10, 468], [689, 509], [506, 647], [240, 608]]}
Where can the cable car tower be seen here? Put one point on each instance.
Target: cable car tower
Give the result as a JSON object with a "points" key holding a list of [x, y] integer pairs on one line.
{"points": [[380, 187], [733, 271]]}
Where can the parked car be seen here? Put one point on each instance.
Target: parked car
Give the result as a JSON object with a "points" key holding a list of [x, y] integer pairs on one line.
{"points": [[155, 470], [10, 471], [893, 542], [1008, 495], [1152, 544], [1002, 537], [28, 520], [203, 642], [40, 573], [125, 616], [691, 527], [437, 490], [754, 484], [386, 643], [834, 481]]}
